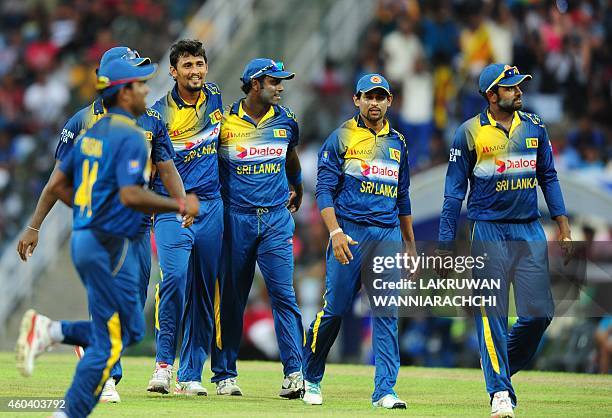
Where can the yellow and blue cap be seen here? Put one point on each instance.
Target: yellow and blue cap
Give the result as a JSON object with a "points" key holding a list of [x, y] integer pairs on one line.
{"points": [[370, 82], [265, 66], [500, 75], [116, 73]]}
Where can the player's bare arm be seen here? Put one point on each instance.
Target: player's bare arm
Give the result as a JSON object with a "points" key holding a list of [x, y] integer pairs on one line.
{"points": [[294, 169], [339, 240], [408, 235], [146, 201], [28, 240], [174, 184]]}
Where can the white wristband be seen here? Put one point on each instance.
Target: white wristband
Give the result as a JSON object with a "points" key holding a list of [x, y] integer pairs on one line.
{"points": [[335, 231]]}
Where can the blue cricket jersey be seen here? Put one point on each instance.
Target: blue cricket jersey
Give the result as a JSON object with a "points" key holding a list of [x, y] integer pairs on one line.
{"points": [[503, 169], [253, 155], [194, 134], [150, 122], [108, 156], [363, 175]]}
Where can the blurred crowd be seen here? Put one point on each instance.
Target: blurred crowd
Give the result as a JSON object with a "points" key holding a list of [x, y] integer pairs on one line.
{"points": [[49, 50]]}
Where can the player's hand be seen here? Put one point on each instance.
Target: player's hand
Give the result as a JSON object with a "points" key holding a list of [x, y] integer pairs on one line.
{"points": [[295, 198], [192, 205], [340, 244], [187, 221], [27, 243], [410, 251], [442, 272], [567, 246]]}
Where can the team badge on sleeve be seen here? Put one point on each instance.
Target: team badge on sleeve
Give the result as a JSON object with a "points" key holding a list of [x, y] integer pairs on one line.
{"points": [[133, 166], [325, 156], [216, 116], [532, 142], [395, 154], [280, 133]]}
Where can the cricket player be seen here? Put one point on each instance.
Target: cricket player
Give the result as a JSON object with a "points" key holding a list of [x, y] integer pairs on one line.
{"points": [[258, 165], [362, 192], [162, 155], [102, 178], [189, 257], [504, 153]]}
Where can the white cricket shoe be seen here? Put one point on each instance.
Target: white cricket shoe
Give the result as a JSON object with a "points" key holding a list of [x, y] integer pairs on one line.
{"points": [[501, 406], [390, 401], [34, 339], [228, 387], [192, 388], [293, 386], [312, 393], [109, 392], [161, 379]]}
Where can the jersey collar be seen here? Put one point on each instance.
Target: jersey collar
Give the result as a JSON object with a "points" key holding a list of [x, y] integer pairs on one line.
{"points": [[180, 103], [117, 111], [487, 119], [238, 110], [98, 107], [384, 131]]}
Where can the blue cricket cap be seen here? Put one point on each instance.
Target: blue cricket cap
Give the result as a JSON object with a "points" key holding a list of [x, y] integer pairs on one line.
{"points": [[123, 52], [500, 75], [116, 73], [265, 66], [370, 82]]}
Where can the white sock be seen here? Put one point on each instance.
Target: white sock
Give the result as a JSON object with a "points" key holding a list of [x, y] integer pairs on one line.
{"points": [[55, 331]]}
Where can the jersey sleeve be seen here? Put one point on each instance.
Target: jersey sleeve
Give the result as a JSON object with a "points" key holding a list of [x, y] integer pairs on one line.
{"points": [[71, 130], [131, 160], [67, 163], [162, 149], [295, 134], [460, 166], [329, 171], [403, 186], [547, 177]]}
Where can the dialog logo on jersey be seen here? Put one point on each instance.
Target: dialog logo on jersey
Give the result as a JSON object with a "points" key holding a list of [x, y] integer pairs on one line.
{"points": [[261, 152], [379, 170], [517, 163]]}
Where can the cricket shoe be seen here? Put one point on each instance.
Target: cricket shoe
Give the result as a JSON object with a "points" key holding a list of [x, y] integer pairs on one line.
{"points": [[162, 379], [109, 392], [390, 401], [228, 387], [293, 386], [192, 388], [501, 405], [34, 339], [312, 393]]}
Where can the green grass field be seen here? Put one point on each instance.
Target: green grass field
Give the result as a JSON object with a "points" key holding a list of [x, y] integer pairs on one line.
{"points": [[346, 392]]}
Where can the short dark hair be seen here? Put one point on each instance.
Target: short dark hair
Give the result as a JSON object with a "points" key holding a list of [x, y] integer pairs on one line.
{"points": [[111, 101], [186, 47], [494, 89], [246, 87]]}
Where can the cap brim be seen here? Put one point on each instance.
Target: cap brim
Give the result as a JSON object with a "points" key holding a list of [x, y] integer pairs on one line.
{"points": [[514, 80], [141, 73], [142, 61], [285, 75], [366, 90]]}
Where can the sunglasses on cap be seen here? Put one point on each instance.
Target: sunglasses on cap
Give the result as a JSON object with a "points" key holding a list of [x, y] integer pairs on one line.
{"points": [[508, 72], [278, 66]]}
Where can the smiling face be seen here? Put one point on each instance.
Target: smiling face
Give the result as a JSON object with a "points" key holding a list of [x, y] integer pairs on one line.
{"points": [[190, 72], [373, 104], [269, 90]]}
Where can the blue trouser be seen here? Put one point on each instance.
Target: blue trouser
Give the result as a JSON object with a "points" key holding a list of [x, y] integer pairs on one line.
{"points": [[517, 253], [265, 236], [342, 283], [108, 269], [189, 261], [141, 251]]}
